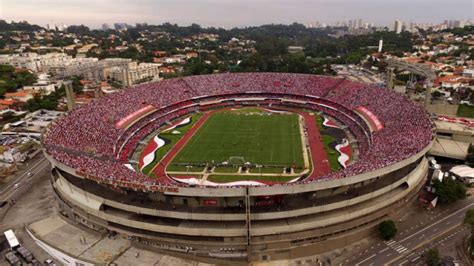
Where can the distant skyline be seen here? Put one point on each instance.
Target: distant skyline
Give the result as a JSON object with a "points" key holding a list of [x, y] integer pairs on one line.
{"points": [[232, 13]]}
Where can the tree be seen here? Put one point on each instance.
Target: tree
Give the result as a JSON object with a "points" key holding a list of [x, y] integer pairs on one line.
{"points": [[436, 94], [470, 156], [387, 229], [469, 218], [76, 84], [11, 80], [449, 190], [432, 257]]}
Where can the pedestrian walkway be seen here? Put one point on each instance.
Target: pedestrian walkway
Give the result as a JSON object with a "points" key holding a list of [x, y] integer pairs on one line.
{"points": [[396, 246]]}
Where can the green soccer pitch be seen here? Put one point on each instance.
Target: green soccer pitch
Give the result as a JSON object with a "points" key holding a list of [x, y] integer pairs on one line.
{"points": [[261, 138]]}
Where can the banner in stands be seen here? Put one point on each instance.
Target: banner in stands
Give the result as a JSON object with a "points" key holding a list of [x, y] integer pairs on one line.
{"points": [[133, 116], [209, 202], [458, 120], [371, 116]]}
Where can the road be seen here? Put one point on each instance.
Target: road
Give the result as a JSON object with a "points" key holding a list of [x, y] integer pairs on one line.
{"points": [[408, 247], [450, 238], [36, 167]]}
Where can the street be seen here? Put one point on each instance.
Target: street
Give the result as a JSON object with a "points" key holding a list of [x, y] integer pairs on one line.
{"points": [[36, 166], [407, 248]]}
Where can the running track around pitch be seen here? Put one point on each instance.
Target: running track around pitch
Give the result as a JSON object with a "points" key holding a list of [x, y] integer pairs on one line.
{"points": [[319, 156], [316, 146], [160, 169]]}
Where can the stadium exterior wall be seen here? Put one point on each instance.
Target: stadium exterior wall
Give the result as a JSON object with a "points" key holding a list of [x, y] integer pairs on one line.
{"points": [[348, 219]]}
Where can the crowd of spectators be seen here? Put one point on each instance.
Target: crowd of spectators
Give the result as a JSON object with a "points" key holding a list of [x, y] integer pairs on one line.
{"points": [[91, 129]]}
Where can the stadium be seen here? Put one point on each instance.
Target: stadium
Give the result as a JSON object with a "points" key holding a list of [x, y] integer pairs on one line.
{"points": [[244, 167]]}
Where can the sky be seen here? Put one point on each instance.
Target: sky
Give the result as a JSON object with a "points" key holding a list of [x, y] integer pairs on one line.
{"points": [[232, 13]]}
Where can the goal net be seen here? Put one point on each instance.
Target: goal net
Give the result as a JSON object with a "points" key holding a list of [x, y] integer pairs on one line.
{"points": [[239, 160]]}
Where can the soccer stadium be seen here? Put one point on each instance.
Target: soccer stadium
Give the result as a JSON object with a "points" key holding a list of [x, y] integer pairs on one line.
{"points": [[243, 167]]}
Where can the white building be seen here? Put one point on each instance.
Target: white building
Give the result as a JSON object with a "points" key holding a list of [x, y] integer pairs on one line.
{"points": [[468, 72], [464, 173], [13, 155], [44, 85], [33, 61], [35, 122], [397, 27], [134, 73]]}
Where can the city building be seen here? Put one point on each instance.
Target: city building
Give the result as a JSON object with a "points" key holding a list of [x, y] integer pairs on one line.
{"points": [[21, 96], [33, 61], [397, 27], [135, 73], [87, 67]]}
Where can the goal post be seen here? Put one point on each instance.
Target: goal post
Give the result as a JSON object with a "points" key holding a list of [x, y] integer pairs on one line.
{"points": [[236, 160]]}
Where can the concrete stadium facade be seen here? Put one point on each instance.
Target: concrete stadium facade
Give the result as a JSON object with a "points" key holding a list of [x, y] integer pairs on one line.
{"points": [[222, 234]]}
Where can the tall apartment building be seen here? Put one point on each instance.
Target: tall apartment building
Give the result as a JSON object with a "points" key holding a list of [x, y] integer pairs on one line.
{"points": [[397, 27], [135, 73]]}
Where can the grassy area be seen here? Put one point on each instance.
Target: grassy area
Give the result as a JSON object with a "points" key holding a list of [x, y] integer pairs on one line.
{"points": [[183, 168], [185, 176], [272, 170], [226, 169], [262, 139], [333, 155], [319, 121], [172, 139], [234, 178], [465, 110]]}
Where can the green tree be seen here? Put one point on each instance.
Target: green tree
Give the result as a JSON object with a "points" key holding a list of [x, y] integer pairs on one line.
{"points": [[297, 64], [11, 79], [470, 156], [33, 104], [469, 218], [387, 229], [432, 257], [436, 94], [449, 190], [76, 84]]}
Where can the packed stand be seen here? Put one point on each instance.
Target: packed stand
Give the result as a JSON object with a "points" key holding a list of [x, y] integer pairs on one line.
{"points": [[91, 129]]}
